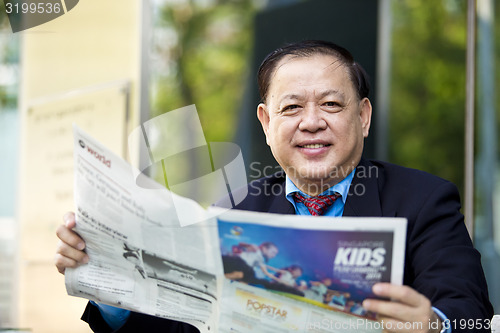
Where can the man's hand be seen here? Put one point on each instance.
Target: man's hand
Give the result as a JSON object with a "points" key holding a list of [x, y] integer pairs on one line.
{"points": [[407, 310], [70, 249]]}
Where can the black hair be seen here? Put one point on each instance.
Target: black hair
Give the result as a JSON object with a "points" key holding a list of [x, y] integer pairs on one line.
{"points": [[308, 48]]}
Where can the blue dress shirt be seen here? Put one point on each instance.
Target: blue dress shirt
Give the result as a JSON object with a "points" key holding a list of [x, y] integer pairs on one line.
{"points": [[113, 316], [335, 210]]}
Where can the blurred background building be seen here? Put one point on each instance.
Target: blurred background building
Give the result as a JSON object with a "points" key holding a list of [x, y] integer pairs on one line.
{"points": [[111, 65]]}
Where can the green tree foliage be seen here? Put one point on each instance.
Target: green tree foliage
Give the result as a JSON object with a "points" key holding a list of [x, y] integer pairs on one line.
{"points": [[9, 60], [206, 65], [3, 15], [201, 54], [428, 86]]}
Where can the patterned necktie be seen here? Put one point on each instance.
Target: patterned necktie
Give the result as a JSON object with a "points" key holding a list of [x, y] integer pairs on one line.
{"points": [[316, 205]]}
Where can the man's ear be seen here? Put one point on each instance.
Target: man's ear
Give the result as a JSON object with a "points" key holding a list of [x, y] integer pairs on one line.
{"points": [[365, 114], [263, 115]]}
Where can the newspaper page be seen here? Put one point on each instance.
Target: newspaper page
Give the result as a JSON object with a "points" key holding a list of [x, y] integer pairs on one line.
{"points": [[140, 257], [294, 273], [234, 271]]}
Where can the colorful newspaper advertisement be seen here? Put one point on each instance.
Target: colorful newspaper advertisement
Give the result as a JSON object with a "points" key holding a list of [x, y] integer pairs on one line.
{"points": [[233, 271], [294, 273]]}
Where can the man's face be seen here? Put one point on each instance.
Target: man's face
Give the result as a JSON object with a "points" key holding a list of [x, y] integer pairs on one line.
{"points": [[314, 121]]}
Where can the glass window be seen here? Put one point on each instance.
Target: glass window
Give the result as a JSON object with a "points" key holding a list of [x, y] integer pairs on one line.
{"points": [[9, 79], [9, 134], [427, 105], [487, 171]]}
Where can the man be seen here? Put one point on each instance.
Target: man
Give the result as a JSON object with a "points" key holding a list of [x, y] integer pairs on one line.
{"points": [[315, 113]]}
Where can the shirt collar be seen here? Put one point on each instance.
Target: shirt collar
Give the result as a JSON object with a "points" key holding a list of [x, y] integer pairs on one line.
{"points": [[341, 187]]}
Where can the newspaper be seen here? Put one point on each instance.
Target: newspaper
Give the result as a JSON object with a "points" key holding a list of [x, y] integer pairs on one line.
{"points": [[233, 271]]}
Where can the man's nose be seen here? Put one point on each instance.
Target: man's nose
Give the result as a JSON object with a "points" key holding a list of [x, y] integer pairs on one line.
{"points": [[312, 119]]}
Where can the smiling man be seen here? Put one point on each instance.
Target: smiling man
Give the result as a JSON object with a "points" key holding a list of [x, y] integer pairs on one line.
{"points": [[315, 113], [314, 120]]}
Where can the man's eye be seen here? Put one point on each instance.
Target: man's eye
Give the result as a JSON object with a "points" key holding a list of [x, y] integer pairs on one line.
{"points": [[290, 107], [332, 104]]}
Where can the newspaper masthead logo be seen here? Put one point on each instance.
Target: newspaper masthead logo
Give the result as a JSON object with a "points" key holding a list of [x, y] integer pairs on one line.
{"points": [[96, 154]]}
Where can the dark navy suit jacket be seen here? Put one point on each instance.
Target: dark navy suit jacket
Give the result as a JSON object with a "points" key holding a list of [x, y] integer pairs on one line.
{"points": [[440, 261]]}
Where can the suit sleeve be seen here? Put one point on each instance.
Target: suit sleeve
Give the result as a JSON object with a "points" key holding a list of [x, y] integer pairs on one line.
{"points": [[137, 322], [445, 267]]}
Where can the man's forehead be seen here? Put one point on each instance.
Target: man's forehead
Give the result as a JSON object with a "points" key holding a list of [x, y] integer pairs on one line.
{"points": [[327, 61], [309, 71], [318, 93], [297, 77]]}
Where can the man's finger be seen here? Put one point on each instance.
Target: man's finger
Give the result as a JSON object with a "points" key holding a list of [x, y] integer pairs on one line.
{"points": [[401, 294], [70, 252], [70, 237], [389, 309], [63, 262], [69, 220]]}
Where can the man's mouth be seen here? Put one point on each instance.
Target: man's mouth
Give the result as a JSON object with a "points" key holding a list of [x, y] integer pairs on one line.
{"points": [[314, 145]]}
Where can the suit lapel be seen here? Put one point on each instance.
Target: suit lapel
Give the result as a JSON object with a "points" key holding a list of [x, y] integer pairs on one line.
{"points": [[364, 197], [280, 204]]}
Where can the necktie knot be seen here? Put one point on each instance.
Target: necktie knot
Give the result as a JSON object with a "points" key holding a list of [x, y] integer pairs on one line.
{"points": [[316, 205]]}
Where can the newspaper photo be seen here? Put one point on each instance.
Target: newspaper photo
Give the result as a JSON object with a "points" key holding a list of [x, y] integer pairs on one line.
{"points": [[234, 271], [287, 270]]}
